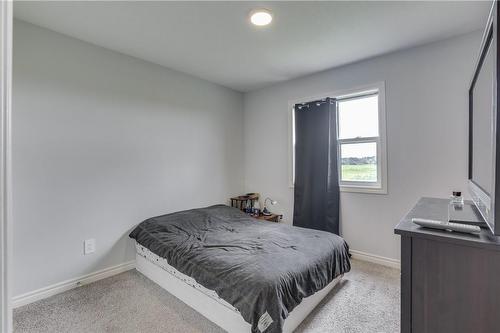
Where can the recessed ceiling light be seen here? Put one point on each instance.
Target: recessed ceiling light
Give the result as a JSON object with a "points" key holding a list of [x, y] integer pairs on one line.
{"points": [[261, 17]]}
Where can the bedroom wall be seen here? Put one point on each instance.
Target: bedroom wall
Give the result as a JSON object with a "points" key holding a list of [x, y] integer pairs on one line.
{"points": [[102, 141], [426, 108]]}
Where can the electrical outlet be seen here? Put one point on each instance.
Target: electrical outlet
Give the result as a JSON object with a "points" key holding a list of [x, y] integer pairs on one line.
{"points": [[88, 246]]}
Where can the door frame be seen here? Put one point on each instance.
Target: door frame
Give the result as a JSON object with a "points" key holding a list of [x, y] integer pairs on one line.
{"points": [[5, 163]]}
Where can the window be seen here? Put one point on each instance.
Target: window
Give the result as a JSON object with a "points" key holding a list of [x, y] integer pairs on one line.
{"points": [[359, 142], [361, 151]]}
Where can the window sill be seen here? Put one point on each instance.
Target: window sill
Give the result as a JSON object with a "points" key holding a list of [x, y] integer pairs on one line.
{"points": [[363, 189], [357, 189]]}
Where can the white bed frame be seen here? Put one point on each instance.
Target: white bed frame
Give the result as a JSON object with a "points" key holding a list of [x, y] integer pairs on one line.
{"points": [[220, 312]]}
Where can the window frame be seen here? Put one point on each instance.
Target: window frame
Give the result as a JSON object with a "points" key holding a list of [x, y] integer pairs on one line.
{"points": [[380, 187]]}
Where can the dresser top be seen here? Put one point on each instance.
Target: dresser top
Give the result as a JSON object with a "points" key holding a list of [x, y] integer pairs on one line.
{"points": [[437, 209]]}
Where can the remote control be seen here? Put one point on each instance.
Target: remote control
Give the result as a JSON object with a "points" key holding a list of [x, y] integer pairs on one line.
{"points": [[443, 225]]}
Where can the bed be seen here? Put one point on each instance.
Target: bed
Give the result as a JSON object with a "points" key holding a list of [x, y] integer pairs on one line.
{"points": [[242, 274]]}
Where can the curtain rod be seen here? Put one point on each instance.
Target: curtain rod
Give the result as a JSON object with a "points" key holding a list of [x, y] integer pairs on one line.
{"points": [[317, 102]]}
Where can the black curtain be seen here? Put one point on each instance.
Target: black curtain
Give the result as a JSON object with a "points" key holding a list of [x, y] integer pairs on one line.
{"points": [[316, 195]]}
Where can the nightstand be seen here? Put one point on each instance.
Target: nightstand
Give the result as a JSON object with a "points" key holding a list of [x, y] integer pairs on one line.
{"points": [[271, 218]]}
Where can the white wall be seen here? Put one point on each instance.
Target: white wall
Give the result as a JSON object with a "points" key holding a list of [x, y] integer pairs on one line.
{"points": [[426, 105], [102, 141]]}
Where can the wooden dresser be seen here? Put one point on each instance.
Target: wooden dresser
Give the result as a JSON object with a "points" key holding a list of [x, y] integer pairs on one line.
{"points": [[450, 282]]}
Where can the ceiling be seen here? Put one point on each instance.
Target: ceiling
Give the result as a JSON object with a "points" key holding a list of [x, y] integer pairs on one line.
{"points": [[214, 41]]}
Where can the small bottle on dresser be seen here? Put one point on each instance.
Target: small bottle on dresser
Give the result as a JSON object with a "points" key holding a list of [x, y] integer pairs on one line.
{"points": [[457, 198]]}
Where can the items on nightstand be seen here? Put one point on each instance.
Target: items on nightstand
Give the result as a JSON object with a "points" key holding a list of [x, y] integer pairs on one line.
{"points": [[256, 209], [243, 202], [248, 207], [266, 211], [249, 204]]}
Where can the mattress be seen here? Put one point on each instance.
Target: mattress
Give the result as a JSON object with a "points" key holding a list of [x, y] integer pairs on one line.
{"points": [[163, 264]]}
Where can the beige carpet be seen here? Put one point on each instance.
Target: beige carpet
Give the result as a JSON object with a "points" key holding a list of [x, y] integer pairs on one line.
{"points": [[367, 300]]}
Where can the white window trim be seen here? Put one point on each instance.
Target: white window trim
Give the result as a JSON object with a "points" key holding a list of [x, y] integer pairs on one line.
{"points": [[360, 187]]}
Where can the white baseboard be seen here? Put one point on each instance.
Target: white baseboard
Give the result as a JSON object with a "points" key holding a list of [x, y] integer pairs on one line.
{"points": [[389, 262], [60, 287]]}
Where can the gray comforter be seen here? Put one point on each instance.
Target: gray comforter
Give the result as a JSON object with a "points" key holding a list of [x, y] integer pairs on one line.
{"points": [[263, 269]]}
